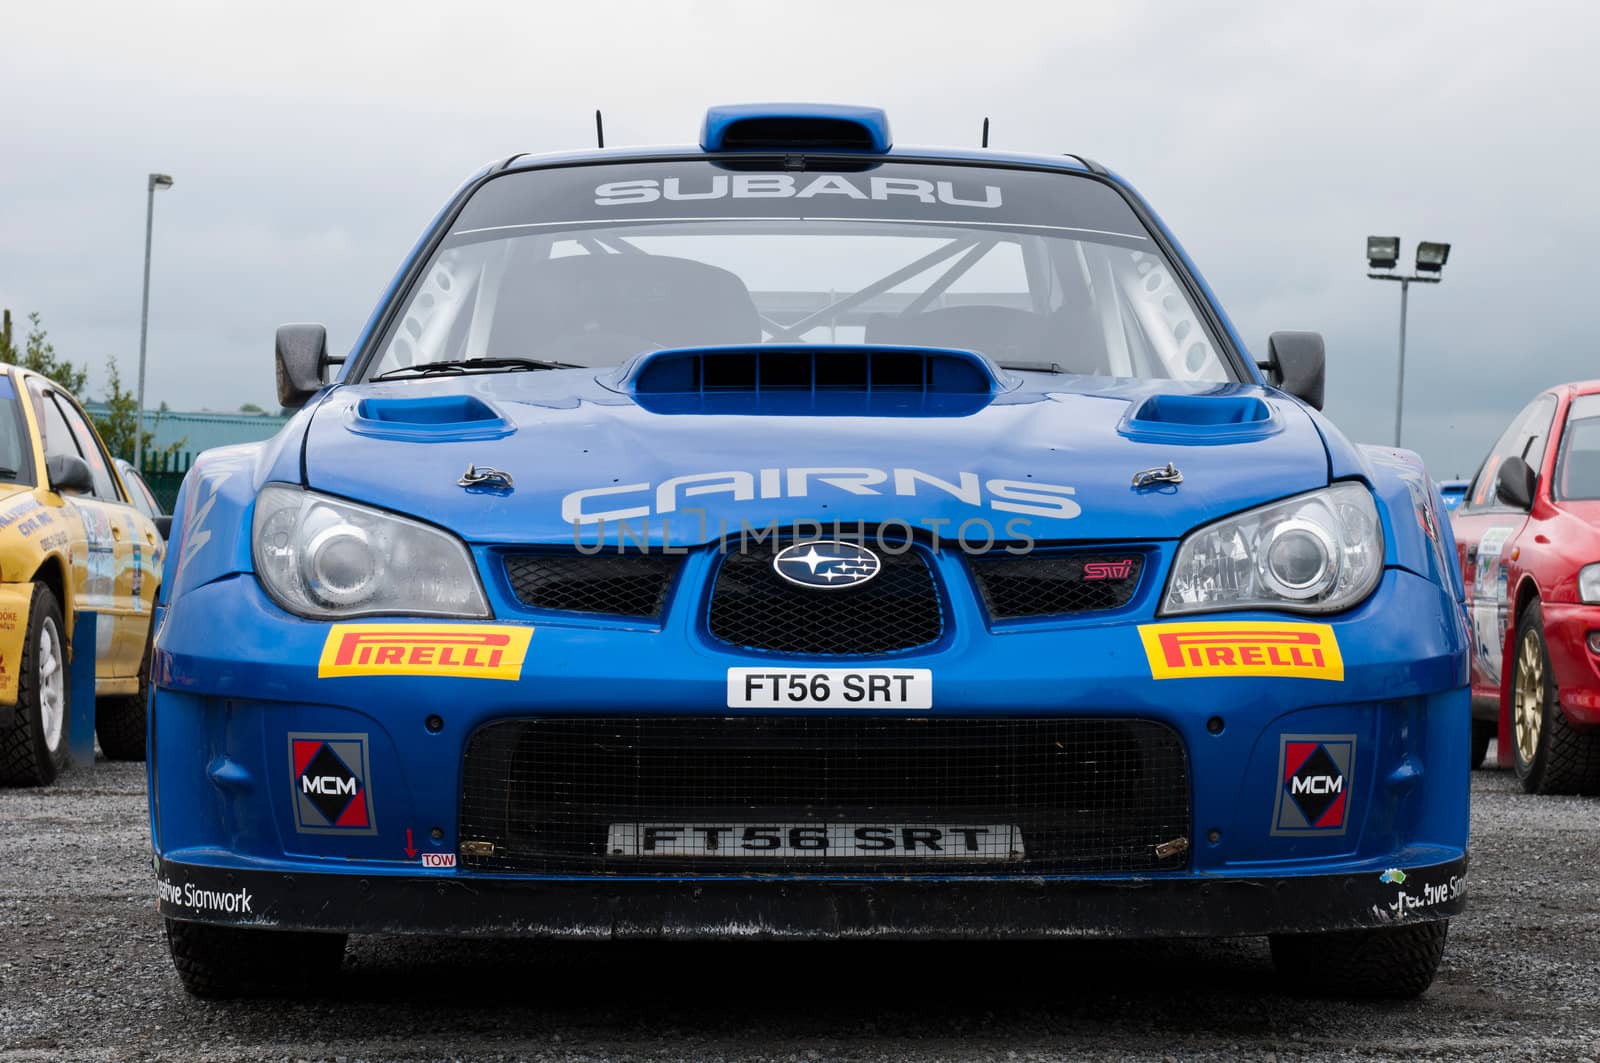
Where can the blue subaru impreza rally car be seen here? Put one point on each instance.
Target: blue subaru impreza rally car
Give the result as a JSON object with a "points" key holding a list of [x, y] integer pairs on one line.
{"points": [[796, 535]]}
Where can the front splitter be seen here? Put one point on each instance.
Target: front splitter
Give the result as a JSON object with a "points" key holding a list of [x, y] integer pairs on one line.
{"points": [[483, 906]]}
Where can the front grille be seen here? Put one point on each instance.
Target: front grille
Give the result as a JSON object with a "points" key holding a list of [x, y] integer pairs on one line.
{"points": [[617, 585], [1049, 584], [1086, 795], [899, 609]]}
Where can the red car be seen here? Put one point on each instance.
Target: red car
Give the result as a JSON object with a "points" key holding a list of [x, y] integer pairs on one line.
{"points": [[1529, 536]]}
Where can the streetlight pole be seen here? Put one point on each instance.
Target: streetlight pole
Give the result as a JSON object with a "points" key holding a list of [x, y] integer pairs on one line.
{"points": [[157, 180], [1383, 253], [1400, 383]]}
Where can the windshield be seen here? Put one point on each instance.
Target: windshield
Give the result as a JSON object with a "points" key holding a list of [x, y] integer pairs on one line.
{"points": [[591, 265], [139, 491], [16, 465], [1578, 464]]}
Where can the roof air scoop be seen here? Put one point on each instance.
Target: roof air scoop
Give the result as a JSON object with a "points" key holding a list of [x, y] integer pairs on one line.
{"points": [[796, 127]]}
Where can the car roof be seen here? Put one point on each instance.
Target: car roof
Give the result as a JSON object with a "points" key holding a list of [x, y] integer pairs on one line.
{"points": [[28, 374], [595, 156]]}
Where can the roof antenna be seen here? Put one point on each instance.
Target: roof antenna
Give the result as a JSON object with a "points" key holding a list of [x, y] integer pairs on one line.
{"points": [[986, 131], [600, 130]]}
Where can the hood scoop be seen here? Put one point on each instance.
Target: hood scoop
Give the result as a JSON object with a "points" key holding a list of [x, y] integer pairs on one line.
{"points": [[428, 417], [811, 380], [1200, 419]]}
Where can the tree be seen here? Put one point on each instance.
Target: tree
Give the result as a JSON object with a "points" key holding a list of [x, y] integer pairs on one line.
{"points": [[251, 407], [121, 419], [39, 355], [117, 426]]}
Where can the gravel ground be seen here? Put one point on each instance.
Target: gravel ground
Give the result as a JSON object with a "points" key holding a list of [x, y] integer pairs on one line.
{"points": [[84, 974]]}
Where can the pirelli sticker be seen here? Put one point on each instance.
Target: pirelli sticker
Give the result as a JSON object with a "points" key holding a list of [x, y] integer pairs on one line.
{"points": [[1242, 648], [467, 651]]}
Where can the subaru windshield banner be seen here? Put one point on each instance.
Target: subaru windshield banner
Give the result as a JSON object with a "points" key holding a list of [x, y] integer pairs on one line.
{"points": [[539, 201]]}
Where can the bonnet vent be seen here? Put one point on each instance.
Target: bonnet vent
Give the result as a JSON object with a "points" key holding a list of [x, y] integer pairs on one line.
{"points": [[812, 370], [1219, 418], [814, 378]]}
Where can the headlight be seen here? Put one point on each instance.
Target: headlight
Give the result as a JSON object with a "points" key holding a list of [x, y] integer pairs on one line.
{"points": [[323, 557], [1315, 553], [1589, 584]]}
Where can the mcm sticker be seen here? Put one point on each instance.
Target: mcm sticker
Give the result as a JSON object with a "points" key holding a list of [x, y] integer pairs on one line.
{"points": [[1315, 775], [331, 774]]}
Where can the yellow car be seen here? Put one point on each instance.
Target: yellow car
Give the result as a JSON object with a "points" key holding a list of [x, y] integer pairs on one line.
{"points": [[71, 544]]}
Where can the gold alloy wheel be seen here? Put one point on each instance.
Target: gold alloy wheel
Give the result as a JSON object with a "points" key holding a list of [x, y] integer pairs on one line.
{"points": [[1527, 696]]}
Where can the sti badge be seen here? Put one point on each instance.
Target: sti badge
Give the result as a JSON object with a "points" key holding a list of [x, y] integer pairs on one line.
{"points": [[1315, 774], [330, 774]]}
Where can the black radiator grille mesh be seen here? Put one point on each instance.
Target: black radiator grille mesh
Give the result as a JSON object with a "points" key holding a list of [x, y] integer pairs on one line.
{"points": [[1053, 584], [753, 608], [616, 585], [1085, 795]]}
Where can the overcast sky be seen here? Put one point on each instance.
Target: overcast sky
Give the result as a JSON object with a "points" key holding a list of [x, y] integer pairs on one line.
{"points": [[311, 142]]}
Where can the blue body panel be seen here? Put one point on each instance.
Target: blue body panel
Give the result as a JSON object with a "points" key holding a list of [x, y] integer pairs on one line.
{"points": [[565, 431], [1049, 458], [228, 715]]}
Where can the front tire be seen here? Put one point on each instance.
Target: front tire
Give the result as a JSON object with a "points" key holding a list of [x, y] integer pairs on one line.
{"points": [[1482, 732], [1389, 962], [218, 962], [33, 750], [1549, 756]]}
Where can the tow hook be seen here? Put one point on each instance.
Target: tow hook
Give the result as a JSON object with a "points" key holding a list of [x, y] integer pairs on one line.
{"points": [[1151, 477], [1175, 847], [485, 476]]}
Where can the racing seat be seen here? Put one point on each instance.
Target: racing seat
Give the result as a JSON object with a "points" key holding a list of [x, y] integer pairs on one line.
{"points": [[1067, 337], [600, 309], [1001, 332]]}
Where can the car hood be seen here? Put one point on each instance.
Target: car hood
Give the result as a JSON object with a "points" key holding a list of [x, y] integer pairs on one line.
{"points": [[1058, 452]]}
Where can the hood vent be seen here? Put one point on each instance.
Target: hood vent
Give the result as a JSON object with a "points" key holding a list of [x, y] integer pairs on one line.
{"points": [[1202, 410], [428, 417], [1232, 418], [813, 378]]}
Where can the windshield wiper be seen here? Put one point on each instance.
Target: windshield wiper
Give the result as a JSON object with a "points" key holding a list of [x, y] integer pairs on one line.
{"points": [[1033, 367], [474, 365]]}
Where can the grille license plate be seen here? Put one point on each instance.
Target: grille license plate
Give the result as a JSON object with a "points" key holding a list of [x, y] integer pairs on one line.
{"points": [[830, 688], [817, 841]]}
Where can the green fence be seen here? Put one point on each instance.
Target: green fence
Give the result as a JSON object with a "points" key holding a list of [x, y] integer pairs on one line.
{"points": [[164, 473]]}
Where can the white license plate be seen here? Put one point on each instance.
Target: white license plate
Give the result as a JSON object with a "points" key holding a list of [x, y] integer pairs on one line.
{"points": [[830, 688], [818, 841]]}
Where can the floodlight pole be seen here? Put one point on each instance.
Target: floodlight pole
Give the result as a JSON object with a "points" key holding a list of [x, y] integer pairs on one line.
{"points": [[1400, 382], [156, 180]]}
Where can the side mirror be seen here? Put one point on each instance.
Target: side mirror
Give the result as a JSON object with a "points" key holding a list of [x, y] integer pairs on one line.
{"points": [[1297, 363], [66, 472], [164, 525], [302, 355], [1515, 482]]}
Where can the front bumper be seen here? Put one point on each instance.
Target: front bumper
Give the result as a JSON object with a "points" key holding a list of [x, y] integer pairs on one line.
{"points": [[725, 909], [236, 681], [1577, 671]]}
